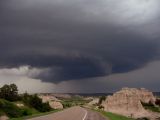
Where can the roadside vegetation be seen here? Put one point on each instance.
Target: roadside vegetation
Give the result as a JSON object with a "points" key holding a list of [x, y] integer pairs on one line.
{"points": [[35, 102], [113, 116], [152, 107], [73, 101], [101, 99], [35, 115], [14, 105]]}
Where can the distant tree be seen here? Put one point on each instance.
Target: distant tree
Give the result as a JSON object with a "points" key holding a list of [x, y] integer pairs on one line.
{"points": [[4, 91], [13, 92], [9, 92]]}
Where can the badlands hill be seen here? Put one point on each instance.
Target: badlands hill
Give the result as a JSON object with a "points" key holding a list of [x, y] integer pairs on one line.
{"points": [[128, 102]]}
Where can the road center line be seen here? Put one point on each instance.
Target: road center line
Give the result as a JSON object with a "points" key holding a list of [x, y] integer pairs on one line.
{"points": [[85, 115]]}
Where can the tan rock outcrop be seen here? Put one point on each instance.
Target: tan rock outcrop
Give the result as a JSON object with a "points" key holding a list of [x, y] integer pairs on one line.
{"points": [[55, 105], [53, 101], [128, 102]]}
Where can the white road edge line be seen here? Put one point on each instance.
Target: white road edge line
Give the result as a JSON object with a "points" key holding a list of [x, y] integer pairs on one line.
{"points": [[85, 115]]}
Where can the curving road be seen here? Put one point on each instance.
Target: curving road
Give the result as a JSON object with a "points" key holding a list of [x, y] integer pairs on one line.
{"points": [[74, 113]]}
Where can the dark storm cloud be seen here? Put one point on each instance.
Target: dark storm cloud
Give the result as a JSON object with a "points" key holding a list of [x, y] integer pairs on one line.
{"points": [[65, 38]]}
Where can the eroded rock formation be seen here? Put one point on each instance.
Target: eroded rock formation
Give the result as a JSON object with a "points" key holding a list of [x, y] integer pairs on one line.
{"points": [[128, 102], [56, 105], [53, 101]]}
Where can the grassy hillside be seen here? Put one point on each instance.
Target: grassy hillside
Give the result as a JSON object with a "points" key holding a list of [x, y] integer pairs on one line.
{"points": [[19, 113], [11, 110]]}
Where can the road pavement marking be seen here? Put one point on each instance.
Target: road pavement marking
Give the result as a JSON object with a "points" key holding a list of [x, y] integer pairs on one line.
{"points": [[85, 115]]}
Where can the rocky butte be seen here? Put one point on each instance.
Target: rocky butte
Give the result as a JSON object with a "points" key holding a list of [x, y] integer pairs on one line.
{"points": [[128, 102]]}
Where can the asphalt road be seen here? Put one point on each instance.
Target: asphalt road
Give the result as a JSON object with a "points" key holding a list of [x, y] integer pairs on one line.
{"points": [[74, 113]]}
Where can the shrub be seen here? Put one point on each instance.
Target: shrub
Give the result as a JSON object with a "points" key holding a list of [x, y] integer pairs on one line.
{"points": [[36, 102], [101, 107], [26, 111], [102, 98], [157, 102], [45, 107], [67, 104]]}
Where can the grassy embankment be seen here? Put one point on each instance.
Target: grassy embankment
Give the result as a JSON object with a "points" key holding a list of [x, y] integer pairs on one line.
{"points": [[68, 102], [35, 115], [113, 116], [151, 107], [19, 113], [12, 110]]}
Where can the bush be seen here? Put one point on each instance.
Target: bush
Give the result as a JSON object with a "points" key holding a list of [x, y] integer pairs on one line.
{"points": [[67, 104], [101, 107], [26, 111], [45, 107], [157, 102], [36, 102]]}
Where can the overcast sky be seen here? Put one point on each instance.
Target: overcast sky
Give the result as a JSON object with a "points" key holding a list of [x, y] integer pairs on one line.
{"points": [[80, 45]]}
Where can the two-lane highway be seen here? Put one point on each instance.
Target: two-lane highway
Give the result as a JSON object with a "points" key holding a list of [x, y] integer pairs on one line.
{"points": [[74, 113]]}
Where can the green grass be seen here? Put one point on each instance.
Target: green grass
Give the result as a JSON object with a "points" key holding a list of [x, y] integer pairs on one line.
{"points": [[113, 116], [20, 113], [152, 108], [10, 109], [74, 101], [28, 109], [1, 112], [35, 115]]}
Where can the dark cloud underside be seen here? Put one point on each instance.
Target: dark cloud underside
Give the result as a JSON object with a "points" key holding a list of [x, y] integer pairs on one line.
{"points": [[69, 41]]}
